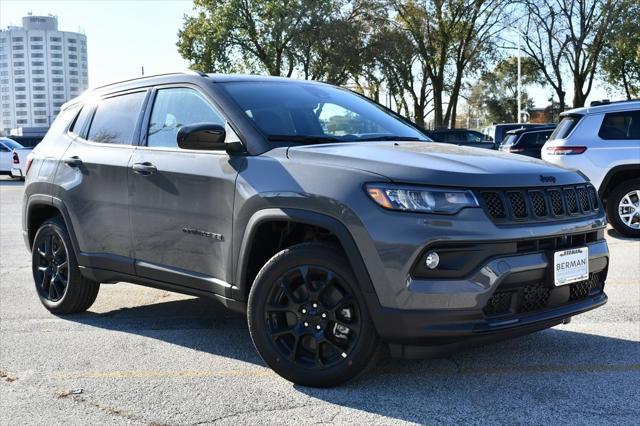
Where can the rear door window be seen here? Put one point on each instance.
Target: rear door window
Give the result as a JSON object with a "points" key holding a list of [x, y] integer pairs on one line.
{"points": [[81, 121], [116, 118], [620, 125]]}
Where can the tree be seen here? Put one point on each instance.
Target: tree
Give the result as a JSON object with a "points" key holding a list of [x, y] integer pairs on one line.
{"points": [[621, 55], [497, 90], [449, 36], [249, 35], [568, 34]]}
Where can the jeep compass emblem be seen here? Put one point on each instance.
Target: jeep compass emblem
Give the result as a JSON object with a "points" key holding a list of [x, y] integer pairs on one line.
{"points": [[207, 234], [547, 179]]}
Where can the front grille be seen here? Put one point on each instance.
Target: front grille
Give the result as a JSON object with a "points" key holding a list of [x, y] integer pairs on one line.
{"points": [[535, 297], [539, 205]]}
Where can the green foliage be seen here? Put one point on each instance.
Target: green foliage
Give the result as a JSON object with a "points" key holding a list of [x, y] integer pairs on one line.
{"points": [[496, 92], [621, 62]]}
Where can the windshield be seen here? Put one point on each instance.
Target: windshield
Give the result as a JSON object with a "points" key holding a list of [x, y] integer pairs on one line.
{"points": [[509, 140], [10, 143], [565, 127], [304, 112]]}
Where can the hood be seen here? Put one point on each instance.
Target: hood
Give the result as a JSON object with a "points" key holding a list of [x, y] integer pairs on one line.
{"points": [[438, 164]]}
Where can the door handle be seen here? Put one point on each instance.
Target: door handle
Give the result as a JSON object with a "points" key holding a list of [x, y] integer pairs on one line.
{"points": [[144, 169], [74, 161]]}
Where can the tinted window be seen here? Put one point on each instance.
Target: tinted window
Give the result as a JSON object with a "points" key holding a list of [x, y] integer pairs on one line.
{"points": [[565, 127], [621, 125], [81, 120], [473, 137], [510, 140], [174, 108], [11, 144], [115, 119], [304, 109]]}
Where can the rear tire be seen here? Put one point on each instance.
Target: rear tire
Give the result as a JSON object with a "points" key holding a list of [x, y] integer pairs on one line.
{"points": [[307, 318], [623, 208], [60, 286]]}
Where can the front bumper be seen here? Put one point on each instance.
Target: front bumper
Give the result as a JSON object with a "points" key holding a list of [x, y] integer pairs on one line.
{"points": [[462, 312]]}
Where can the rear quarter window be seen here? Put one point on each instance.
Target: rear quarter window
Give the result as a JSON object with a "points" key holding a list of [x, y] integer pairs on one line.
{"points": [[620, 125], [566, 125]]}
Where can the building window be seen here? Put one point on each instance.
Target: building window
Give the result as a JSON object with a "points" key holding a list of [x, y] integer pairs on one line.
{"points": [[72, 48], [36, 47], [18, 55], [56, 39], [21, 97], [21, 105], [73, 81], [21, 121], [56, 55], [40, 112], [21, 72], [39, 104], [21, 113], [73, 64], [74, 57], [16, 39], [35, 72], [18, 47], [58, 104], [57, 96], [5, 81], [37, 55], [37, 97], [57, 80], [37, 80], [19, 80], [35, 38], [56, 47], [58, 88], [40, 121], [38, 88], [57, 72], [56, 64], [73, 72], [4, 65], [18, 64], [37, 63], [20, 89]]}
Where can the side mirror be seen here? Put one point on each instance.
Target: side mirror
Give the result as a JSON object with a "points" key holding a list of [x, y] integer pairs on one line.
{"points": [[202, 136]]}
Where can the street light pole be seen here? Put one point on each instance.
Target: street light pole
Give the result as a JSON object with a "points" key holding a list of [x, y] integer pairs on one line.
{"points": [[519, 79]]}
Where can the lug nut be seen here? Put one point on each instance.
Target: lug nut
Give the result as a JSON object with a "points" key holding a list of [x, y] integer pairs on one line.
{"points": [[304, 311], [318, 327], [315, 305], [306, 324], [324, 315]]}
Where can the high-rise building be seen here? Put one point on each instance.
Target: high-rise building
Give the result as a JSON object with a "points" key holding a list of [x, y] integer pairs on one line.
{"points": [[40, 69]]}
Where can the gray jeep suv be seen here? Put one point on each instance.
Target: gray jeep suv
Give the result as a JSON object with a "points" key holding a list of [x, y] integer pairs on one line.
{"points": [[333, 223]]}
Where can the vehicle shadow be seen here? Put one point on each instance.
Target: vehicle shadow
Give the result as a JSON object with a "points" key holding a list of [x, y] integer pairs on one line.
{"points": [[11, 182], [618, 236], [517, 381]]}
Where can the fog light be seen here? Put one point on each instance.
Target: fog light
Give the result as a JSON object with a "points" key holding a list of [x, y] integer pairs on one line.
{"points": [[432, 260]]}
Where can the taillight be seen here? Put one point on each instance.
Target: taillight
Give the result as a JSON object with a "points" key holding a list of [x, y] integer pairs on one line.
{"points": [[566, 150], [27, 166], [16, 159]]}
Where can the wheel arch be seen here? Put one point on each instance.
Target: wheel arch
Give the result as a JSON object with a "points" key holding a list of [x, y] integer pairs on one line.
{"points": [[617, 175], [41, 208], [304, 217]]}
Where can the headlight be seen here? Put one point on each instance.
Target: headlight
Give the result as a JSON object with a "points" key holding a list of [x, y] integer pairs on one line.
{"points": [[420, 199]]}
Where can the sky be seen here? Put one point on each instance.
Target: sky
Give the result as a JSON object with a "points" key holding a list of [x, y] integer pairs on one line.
{"points": [[125, 35]]}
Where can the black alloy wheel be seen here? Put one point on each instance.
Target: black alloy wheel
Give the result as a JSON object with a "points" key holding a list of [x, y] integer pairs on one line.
{"points": [[52, 270], [307, 318]]}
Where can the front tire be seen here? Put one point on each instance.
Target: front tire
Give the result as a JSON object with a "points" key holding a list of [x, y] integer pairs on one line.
{"points": [[60, 286], [307, 318], [623, 208]]}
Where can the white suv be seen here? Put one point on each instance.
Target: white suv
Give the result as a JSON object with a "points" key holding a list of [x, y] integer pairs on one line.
{"points": [[603, 142]]}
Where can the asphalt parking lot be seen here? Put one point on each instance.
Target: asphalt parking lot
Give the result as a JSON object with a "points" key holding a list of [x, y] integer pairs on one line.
{"points": [[144, 356]]}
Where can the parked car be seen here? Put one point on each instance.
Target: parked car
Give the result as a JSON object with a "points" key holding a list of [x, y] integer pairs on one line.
{"points": [[13, 158], [463, 137], [27, 141], [603, 142], [527, 142], [326, 219], [498, 132]]}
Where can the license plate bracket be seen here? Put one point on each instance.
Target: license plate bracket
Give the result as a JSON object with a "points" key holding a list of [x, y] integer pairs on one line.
{"points": [[570, 266]]}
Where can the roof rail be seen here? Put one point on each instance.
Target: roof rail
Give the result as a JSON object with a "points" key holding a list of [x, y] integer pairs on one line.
{"points": [[607, 102], [191, 72]]}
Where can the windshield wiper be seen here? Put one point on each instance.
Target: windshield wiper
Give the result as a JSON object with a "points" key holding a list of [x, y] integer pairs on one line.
{"points": [[303, 138]]}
